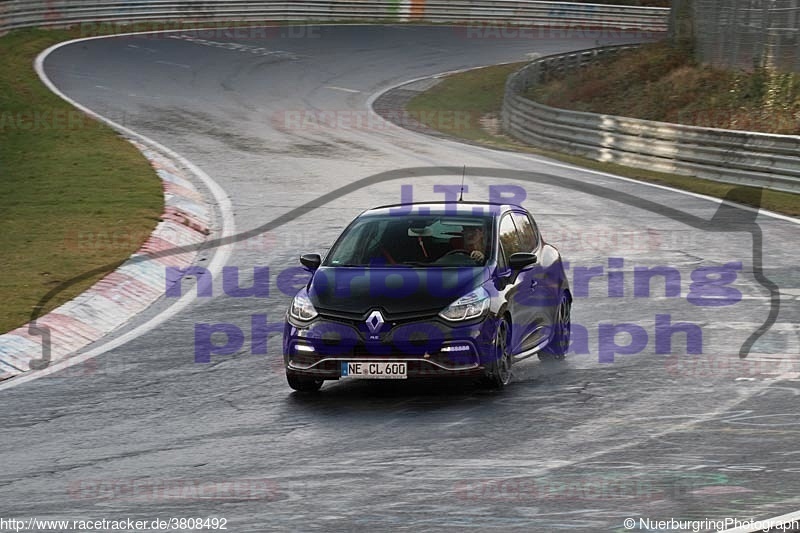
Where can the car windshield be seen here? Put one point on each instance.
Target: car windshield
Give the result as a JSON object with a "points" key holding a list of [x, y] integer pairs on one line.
{"points": [[414, 240]]}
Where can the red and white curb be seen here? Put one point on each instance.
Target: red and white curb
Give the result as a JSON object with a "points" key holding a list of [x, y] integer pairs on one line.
{"points": [[130, 289]]}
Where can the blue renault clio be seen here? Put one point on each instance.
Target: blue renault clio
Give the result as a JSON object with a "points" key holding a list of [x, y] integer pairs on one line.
{"points": [[429, 290]]}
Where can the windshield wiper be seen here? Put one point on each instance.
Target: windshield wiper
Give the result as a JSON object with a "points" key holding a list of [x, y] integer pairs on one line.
{"points": [[418, 263]]}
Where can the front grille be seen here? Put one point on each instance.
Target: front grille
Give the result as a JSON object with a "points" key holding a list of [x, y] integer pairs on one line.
{"points": [[384, 350], [450, 360], [358, 320]]}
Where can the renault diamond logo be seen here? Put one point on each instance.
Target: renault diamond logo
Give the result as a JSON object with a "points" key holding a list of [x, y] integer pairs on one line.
{"points": [[374, 321]]}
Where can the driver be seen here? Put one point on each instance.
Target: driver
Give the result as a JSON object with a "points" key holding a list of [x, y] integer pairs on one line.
{"points": [[474, 242]]}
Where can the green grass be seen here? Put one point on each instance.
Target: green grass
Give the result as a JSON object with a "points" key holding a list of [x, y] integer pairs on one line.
{"points": [[662, 81], [478, 94], [457, 105], [73, 194]]}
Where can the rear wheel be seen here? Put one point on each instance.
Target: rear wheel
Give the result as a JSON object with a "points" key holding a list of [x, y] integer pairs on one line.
{"points": [[303, 383], [498, 373], [556, 349]]}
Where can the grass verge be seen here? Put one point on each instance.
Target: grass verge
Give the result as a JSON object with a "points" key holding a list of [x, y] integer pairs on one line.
{"points": [[662, 81], [74, 195], [475, 97]]}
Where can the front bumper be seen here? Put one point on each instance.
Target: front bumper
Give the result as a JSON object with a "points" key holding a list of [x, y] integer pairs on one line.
{"points": [[429, 346]]}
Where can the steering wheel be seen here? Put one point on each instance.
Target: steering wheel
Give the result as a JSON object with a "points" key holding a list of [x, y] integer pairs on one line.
{"points": [[458, 251]]}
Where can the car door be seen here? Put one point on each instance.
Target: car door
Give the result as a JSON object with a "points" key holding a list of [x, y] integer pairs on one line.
{"points": [[516, 290], [533, 290]]}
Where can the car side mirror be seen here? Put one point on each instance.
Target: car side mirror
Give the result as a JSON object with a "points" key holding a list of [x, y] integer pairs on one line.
{"points": [[311, 261], [520, 260]]}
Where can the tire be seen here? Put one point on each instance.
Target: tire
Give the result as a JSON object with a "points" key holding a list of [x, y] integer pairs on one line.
{"points": [[303, 384], [556, 349], [498, 373]]}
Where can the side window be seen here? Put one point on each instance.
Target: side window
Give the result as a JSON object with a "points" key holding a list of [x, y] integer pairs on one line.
{"points": [[527, 233], [508, 236], [502, 259], [536, 234]]}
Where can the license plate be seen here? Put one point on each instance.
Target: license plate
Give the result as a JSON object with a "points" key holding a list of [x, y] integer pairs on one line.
{"points": [[375, 370]]}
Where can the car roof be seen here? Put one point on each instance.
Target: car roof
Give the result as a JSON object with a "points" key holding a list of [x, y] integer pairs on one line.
{"points": [[444, 207]]}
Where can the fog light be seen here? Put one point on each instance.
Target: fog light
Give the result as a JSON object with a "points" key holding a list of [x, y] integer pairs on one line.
{"points": [[303, 348], [456, 348]]}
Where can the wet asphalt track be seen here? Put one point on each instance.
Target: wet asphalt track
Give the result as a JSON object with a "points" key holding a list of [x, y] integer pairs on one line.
{"points": [[144, 432]]}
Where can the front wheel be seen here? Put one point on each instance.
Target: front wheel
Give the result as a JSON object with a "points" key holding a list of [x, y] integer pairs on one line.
{"points": [[556, 349], [302, 383], [498, 372]]}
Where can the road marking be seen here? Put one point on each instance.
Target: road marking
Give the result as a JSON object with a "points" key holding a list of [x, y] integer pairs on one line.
{"points": [[335, 88], [171, 64], [245, 48], [136, 47]]}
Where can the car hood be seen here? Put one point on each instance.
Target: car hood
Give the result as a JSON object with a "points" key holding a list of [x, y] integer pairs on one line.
{"points": [[398, 291]]}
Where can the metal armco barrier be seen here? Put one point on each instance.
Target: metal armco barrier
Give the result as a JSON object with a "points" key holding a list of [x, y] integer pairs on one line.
{"points": [[27, 13], [738, 157]]}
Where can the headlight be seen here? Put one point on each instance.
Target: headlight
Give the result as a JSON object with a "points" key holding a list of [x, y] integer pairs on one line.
{"points": [[471, 305], [302, 308]]}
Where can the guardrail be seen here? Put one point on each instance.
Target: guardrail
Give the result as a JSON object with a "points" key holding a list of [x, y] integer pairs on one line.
{"points": [[738, 157], [27, 13]]}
